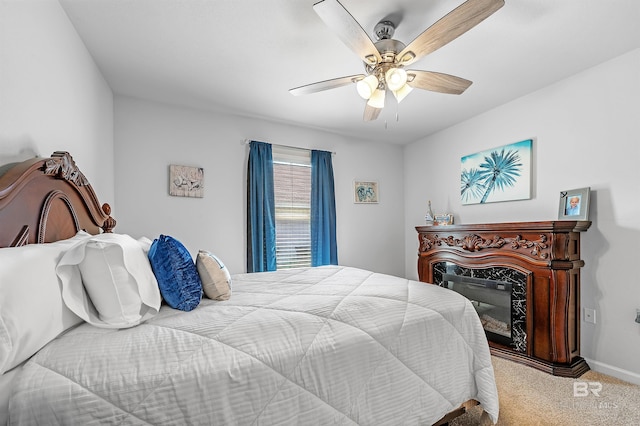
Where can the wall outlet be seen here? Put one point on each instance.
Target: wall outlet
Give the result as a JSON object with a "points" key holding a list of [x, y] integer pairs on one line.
{"points": [[590, 315]]}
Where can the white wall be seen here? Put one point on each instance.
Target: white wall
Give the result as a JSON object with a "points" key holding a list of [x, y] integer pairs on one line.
{"points": [[585, 132], [151, 136], [52, 95]]}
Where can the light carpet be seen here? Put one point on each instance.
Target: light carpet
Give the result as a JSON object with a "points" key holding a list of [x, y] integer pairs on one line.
{"points": [[532, 397]]}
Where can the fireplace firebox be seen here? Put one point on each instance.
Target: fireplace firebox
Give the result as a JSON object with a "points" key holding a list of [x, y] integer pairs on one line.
{"points": [[523, 279], [496, 294]]}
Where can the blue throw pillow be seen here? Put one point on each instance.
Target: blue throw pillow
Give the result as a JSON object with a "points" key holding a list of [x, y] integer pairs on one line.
{"points": [[176, 273]]}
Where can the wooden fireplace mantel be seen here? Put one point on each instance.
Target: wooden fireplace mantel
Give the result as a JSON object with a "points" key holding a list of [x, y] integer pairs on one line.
{"points": [[548, 253]]}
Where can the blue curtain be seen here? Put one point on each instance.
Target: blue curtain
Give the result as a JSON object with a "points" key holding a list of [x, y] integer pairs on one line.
{"points": [[261, 211], [324, 250]]}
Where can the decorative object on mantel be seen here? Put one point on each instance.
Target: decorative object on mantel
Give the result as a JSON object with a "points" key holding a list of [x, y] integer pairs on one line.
{"points": [[186, 181], [428, 218], [365, 192], [574, 204], [499, 174], [443, 219]]}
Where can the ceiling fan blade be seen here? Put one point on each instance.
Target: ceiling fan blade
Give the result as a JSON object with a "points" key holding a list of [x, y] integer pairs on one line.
{"points": [[336, 17], [371, 113], [448, 28], [325, 85], [437, 82]]}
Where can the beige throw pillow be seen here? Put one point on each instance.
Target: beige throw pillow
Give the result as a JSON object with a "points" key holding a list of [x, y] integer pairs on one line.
{"points": [[215, 277]]}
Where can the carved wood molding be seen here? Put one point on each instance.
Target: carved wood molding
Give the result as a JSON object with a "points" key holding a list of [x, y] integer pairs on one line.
{"points": [[475, 242], [46, 208], [61, 165], [22, 238]]}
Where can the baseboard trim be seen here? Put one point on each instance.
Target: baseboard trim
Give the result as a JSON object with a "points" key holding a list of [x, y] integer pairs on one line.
{"points": [[619, 373]]}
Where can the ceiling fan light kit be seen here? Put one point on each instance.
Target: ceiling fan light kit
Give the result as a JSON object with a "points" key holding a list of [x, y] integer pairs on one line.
{"points": [[367, 86], [402, 92], [377, 99], [395, 78], [384, 60]]}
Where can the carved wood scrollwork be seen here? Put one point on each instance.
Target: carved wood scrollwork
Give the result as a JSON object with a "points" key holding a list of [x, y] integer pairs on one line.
{"points": [[474, 242], [61, 165]]}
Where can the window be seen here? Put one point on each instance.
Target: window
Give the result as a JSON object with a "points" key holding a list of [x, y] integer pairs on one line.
{"points": [[292, 190], [305, 181]]}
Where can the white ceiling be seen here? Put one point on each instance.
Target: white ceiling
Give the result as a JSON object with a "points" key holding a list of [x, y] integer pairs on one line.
{"points": [[242, 56]]}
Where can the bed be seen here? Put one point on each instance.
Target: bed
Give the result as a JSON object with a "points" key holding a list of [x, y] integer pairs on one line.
{"points": [[326, 345]]}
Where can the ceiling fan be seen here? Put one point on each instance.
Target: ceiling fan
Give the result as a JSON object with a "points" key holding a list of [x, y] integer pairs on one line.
{"points": [[385, 60]]}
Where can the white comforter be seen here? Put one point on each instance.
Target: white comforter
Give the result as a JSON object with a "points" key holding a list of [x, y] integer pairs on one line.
{"points": [[328, 345]]}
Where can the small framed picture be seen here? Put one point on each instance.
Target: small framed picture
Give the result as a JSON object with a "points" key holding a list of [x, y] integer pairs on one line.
{"points": [[365, 192], [443, 219], [186, 181], [574, 204]]}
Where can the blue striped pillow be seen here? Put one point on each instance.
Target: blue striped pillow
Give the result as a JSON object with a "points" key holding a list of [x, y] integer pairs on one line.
{"points": [[177, 276]]}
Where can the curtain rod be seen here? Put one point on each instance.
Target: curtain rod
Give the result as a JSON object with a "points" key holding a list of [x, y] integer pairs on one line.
{"points": [[247, 141]]}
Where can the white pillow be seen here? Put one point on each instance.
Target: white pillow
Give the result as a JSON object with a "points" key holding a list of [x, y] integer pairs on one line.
{"points": [[32, 312], [107, 281], [145, 243], [215, 277]]}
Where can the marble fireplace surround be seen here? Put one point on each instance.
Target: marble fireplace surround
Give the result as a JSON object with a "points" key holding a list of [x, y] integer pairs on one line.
{"points": [[518, 281], [547, 255]]}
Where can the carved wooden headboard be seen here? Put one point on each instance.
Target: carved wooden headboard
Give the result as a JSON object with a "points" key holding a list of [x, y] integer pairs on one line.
{"points": [[48, 199]]}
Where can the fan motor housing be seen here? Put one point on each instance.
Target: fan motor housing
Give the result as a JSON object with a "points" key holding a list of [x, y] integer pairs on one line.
{"points": [[389, 48], [384, 30]]}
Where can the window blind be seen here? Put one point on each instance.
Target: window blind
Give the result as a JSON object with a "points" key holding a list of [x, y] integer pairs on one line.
{"points": [[292, 190]]}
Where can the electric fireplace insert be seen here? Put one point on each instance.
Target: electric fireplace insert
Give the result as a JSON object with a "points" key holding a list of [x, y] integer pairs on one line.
{"points": [[497, 294]]}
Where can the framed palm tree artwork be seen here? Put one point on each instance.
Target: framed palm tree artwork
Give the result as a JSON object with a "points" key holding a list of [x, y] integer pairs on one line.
{"points": [[499, 174]]}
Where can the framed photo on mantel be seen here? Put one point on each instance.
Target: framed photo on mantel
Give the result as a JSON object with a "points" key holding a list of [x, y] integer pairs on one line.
{"points": [[574, 204]]}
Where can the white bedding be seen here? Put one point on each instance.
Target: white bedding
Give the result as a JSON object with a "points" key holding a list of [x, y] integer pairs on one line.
{"points": [[328, 345], [6, 387]]}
